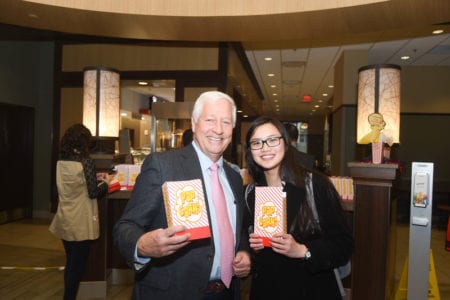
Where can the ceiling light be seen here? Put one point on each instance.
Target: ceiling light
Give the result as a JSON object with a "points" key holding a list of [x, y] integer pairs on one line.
{"points": [[276, 100], [405, 57], [245, 116], [331, 86], [273, 86], [438, 31], [143, 83], [324, 94], [267, 58], [317, 106], [270, 74], [239, 111], [274, 94]]}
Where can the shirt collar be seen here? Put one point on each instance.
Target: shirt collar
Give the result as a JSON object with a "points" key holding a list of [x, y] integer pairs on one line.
{"points": [[205, 161]]}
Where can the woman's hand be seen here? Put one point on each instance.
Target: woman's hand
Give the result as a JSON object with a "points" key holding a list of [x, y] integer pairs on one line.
{"points": [[285, 244], [105, 177], [256, 242]]}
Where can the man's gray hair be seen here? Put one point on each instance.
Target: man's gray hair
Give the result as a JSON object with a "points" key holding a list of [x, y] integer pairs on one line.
{"points": [[212, 96]]}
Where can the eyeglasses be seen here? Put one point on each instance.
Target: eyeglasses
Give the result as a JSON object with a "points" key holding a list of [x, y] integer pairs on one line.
{"points": [[271, 142]]}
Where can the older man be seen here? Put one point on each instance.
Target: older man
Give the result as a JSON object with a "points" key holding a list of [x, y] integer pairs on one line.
{"points": [[168, 264]]}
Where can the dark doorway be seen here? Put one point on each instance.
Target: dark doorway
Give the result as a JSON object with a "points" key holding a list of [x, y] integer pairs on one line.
{"points": [[16, 156]]}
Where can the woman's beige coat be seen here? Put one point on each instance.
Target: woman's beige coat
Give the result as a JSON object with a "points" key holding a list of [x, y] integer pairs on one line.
{"points": [[77, 216]]}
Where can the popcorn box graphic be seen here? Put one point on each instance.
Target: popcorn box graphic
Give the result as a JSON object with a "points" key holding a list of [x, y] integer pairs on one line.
{"points": [[270, 212], [185, 205]]}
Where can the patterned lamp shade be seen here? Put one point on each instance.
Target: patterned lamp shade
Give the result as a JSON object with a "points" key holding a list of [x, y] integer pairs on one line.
{"points": [[101, 101], [378, 117]]}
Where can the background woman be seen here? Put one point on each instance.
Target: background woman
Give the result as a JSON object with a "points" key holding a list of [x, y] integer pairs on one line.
{"points": [[300, 264], [76, 221]]}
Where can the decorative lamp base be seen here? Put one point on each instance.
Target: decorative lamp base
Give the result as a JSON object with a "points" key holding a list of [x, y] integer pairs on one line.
{"points": [[103, 145]]}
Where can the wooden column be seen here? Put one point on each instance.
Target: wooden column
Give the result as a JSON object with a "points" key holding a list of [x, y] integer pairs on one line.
{"points": [[374, 231], [95, 279]]}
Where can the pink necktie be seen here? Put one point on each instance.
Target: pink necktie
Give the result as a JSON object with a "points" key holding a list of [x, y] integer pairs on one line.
{"points": [[225, 231]]}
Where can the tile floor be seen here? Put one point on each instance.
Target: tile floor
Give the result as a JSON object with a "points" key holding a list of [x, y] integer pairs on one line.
{"points": [[26, 244]]}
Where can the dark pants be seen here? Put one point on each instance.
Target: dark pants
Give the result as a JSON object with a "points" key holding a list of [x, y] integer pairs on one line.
{"points": [[76, 258]]}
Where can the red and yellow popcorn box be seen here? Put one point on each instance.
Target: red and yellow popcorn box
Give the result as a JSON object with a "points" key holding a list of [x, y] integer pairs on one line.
{"points": [[114, 185], [185, 205], [126, 175], [344, 187], [133, 172], [122, 176], [270, 212], [351, 193]]}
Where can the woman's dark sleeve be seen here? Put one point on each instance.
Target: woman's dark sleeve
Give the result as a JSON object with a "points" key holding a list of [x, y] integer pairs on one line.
{"points": [[335, 246], [95, 189]]}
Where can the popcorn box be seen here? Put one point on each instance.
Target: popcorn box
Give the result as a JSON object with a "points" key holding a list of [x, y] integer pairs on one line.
{"points": [[270, 212], [351, 192], [126, 175], [133, 172], [344, 187], [114, 185], [185, 205], [122, 176]]}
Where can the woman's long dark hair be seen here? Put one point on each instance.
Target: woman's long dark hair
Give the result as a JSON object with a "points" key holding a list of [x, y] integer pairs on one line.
{"points": [[75, 142], [291, 171]]}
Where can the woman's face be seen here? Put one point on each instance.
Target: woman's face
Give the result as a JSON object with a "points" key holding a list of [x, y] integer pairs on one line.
{"points": [[268, 157]]}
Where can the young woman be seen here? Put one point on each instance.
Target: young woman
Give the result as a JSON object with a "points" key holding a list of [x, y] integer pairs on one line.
{"points": [[76, 221], [300, 263]]}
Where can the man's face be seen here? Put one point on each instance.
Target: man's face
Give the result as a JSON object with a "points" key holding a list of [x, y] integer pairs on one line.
{"points": [[214, 128]]}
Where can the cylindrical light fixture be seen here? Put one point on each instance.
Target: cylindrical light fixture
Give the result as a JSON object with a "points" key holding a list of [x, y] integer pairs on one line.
{"points": [[101, 106], [378, 117]]}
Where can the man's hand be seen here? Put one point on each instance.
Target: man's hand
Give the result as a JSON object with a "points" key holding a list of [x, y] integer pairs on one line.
{"points": [[241, 264], [162, 242]]}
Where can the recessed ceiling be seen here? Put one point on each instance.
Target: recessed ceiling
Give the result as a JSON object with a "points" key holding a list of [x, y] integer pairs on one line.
{"points": [[304, 38]]}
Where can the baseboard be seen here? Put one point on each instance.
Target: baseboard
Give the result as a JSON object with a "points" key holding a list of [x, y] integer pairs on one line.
{"points": [[42, 214]]}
